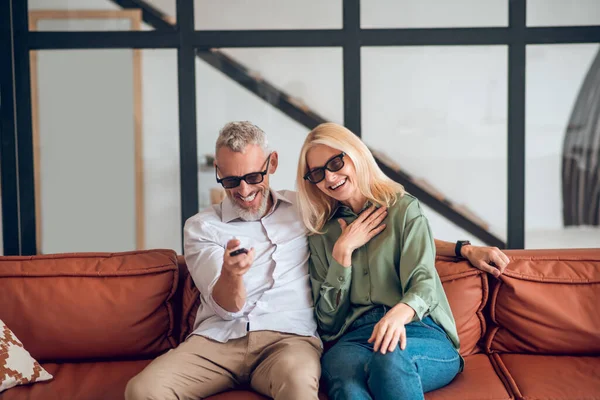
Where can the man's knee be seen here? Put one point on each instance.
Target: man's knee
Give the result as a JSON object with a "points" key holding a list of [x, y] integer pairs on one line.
{"points": [[297, 386], [295, 373], [135, 390], [303, 377], [296, 379], [143, 388]]}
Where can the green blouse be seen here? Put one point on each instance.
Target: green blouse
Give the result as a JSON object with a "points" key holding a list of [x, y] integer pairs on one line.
{"points": [[397, 266]]}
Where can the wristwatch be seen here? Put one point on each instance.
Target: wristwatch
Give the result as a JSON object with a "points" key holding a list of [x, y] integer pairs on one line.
{"points": [[459, 246]]}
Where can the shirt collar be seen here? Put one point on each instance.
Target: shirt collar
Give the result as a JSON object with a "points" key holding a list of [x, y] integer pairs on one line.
{"points": [[343, 210], [229, 214]]}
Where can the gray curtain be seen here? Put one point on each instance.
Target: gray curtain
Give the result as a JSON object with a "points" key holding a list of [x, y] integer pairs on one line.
{"points": [[581, 154]]}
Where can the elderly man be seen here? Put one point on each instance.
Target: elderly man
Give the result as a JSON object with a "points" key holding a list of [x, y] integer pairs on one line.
{"points": [[248, 257]]}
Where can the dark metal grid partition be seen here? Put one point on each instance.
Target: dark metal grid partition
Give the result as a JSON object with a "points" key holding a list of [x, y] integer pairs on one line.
{"points": [[8, 157], [15, 103]]}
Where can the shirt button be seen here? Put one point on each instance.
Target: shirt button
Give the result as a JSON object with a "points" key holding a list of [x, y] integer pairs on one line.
{"points": [[365, 271], [341, 279]]}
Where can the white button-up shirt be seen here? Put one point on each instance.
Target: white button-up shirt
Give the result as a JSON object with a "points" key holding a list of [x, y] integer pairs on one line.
{"points": [[278, 295]]}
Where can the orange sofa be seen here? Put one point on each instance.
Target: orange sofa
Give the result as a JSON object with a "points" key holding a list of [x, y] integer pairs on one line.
{"points": [[94, 320]]}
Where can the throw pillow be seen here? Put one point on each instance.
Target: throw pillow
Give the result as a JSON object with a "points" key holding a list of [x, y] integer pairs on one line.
{"points": [[17, 367]]}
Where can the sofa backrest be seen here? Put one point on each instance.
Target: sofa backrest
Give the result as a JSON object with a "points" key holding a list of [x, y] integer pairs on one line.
{"points": [[140, 304], [465, 286], [467, 292], [91, 305], [547, 302], [190, 300]]}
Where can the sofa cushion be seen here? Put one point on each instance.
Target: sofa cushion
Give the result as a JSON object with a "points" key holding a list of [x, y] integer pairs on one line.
{"points": [[81, 381], [547, 302], [552, 377], [477, 381], [93, 305], [466, 289]]}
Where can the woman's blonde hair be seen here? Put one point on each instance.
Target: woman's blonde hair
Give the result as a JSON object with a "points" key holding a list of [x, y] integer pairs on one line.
{"points": [[315, 206]]}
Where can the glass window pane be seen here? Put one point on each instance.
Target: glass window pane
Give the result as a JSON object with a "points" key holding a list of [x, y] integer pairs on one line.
{"points": [[95, 15], [446, 230], [311, 77], [106, 149], [440, 114], [267, 14], [563, 12], [433, 13], [562, 188]]}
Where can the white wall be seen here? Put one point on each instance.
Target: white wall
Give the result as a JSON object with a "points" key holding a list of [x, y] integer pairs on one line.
{"points": [[433, 13], [165, 6], [71, 221], [318, 14], [86, 147], [160, 129], [474, 13], [441, 113], [428, 107], [160, 111], [563, 12], [268, 14]]}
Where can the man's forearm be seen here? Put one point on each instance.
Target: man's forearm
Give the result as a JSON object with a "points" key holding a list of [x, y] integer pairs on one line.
{"points": [[443, 248], [230, 293]]}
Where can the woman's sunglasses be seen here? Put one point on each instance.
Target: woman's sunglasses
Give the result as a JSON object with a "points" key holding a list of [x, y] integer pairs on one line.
{"points": [[334, 164]]}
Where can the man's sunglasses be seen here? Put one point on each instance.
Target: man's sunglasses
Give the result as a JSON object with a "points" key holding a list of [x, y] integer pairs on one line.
{"points": [[253, 178], [334, 164]]}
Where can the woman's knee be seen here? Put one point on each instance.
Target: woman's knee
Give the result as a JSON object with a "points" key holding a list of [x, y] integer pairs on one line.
{"points": [[397, 361], [340, 356], [344, 380], [346, 389]]}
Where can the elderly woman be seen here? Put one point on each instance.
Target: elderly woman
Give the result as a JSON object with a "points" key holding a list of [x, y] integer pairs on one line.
{"points": [[374, 282]]}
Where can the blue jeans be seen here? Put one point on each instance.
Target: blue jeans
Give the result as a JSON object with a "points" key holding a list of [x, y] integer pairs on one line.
{"points": [[351, 370]]}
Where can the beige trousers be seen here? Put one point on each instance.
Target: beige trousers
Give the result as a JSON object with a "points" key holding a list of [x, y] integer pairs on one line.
{"points": [[278, 365]]}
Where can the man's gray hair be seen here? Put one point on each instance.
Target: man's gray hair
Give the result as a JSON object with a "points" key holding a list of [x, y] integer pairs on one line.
{"points": [[239, 134]]}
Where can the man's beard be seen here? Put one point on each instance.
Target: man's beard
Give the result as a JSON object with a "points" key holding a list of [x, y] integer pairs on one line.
{"points": [[248, 215]]}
